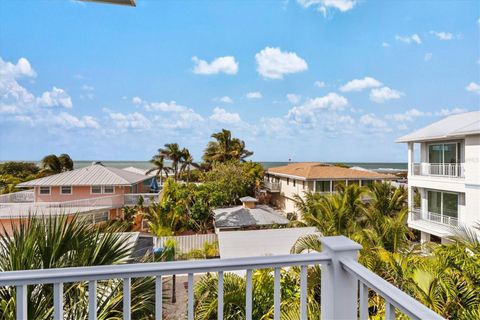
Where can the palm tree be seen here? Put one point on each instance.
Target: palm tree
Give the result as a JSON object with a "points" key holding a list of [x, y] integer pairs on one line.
{"points": [[225, 148], [187, 162], [159, 167], [60, 242], [172, 152], [66, 162], [51, 164]]}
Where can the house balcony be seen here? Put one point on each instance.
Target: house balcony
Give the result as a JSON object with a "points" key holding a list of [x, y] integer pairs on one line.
{"points": [[433, 223], [345, 284], [272, 186], [448, 170]]}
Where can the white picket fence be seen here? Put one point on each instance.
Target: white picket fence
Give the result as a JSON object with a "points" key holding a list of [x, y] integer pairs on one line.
{"points": [[185, 244]]}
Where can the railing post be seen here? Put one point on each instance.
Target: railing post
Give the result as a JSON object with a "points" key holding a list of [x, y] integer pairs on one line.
{"points": [[339, 287]]}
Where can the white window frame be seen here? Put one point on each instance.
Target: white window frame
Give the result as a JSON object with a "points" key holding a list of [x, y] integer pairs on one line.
{"points": [[91, 190], [105, 192], [45, 194], [64, 193]]}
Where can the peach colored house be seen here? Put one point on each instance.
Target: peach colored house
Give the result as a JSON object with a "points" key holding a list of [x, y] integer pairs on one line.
{"points": [[284, 182], [96, 192]]}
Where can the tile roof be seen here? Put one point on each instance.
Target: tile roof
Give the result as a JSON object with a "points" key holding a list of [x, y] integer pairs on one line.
{"points": [[453, 126], [96, 174], [317, 170]]}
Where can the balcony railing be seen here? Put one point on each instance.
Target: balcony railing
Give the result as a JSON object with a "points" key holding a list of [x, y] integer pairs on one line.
{"points": [[340, 272], [18, 197], [145, 198], [451, 170], [434, 217], [272, 186]]}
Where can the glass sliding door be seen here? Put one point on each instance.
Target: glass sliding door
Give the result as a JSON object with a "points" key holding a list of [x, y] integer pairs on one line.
{"points": [[435, 153], [322, 186], [442, 207]]}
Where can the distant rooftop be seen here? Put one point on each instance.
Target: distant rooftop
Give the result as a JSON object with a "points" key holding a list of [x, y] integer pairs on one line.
{"points": [[240, 216], [317, 170], [93, 175], [454, 126]]}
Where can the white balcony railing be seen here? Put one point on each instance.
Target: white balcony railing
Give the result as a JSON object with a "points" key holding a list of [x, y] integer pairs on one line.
{"points": [[18, 197], [451, 170], [417, 214], [272, 186], [147, 198], [114, 201], [340, 272]]}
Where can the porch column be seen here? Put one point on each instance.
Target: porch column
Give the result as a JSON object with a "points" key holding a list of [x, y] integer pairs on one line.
{"points": [[424, 237], [339, 287], [410, 158]]}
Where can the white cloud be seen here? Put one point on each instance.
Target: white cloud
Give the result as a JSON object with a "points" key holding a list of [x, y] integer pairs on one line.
{"points": [[380, 95], [428, 56], [319, 84], [414, 38], [173, 115], [224, 99], [473, 87], [21, 69], [408, 115], [136, 101], [226, 65], [272, 63], [449, 112], [360, 84], [254, 95], [69, 121], [324, 5], [135, 120], [373, 124], [385, 44], [56, 97], [221, 115], [293, 98], [442, 35]]}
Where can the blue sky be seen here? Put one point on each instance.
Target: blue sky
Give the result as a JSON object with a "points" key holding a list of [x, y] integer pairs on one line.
{"points": [[316, 80]]}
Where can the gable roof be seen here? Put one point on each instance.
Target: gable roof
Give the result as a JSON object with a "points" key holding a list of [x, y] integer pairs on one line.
{"points": [[239, 216], [453, 126], [96, 174], [317, 170]]}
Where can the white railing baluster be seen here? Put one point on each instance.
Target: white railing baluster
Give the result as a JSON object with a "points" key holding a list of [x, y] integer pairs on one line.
{"points": [[158, 298], [92, 300], [276, 294], [21, 302], [389, 311], [363, 302], [58, 301], [220, 296], [127, 298], [190, 296], [248, 296], [303, 292]]}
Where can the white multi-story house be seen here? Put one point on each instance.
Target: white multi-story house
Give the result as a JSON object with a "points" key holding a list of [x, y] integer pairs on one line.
{"points": [[444, 185]]}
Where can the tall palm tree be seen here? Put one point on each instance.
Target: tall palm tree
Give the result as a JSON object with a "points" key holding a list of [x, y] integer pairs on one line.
{"points": [[51, 164], [225, 148], [187, 162], [159, 167], [66, 162], [172, 152], [60, 242]]}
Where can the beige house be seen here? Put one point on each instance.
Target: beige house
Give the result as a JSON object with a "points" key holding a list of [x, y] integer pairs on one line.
{"points": [[283, 183]]}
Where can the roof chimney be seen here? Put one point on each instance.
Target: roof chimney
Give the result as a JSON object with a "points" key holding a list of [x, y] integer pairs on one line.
{"points": [[249, 202]]}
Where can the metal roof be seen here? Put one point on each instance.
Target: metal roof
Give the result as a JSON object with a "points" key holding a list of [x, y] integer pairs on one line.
{"points": [[93, 175], [239, 216], [450, 127]]}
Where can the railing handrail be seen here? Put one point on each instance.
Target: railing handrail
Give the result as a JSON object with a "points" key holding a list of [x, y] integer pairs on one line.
{"points": [[402, 301], [71, 202], [138, 270], [439, 169]]}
